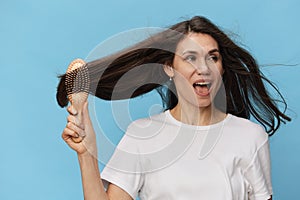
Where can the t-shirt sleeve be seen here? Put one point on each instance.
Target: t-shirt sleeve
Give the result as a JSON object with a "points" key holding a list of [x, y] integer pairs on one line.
{"points": [[258, 174], [123, 168]]}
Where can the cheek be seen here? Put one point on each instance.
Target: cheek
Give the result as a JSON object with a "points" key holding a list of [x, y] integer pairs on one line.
{"points": [[221, 71], [218, 70], [182, 67], [218, 77], [183, 70], [184, 88], [182, 79]]}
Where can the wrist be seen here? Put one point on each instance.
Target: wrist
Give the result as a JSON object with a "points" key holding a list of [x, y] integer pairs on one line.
{"points": [[85, 156], [88, 161], [89, 151]]}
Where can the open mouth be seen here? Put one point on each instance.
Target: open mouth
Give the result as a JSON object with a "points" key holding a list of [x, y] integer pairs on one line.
{"points": [[202, 88], [202, 84]]}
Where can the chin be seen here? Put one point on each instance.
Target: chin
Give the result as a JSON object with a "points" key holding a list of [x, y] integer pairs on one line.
{"points": [[202, 104]]}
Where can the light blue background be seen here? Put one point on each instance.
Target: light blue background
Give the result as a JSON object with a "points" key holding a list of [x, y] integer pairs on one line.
{"points": [[39, 39]]}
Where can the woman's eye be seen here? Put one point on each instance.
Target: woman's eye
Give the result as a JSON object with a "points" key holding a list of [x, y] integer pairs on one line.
{"points": [[213, 58], [190, 58]]}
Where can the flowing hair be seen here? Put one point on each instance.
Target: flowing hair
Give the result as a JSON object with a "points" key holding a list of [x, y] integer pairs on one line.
{"points": [[245, 85]]}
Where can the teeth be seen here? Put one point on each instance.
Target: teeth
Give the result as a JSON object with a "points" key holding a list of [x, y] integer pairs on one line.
{"points": [[202, 83]]}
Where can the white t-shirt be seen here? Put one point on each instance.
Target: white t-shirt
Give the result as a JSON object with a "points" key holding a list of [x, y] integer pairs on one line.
{"points": [[160, 158]]}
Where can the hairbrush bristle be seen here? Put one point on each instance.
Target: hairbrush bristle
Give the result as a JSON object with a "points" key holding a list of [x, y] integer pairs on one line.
{"points": [[77, 81]]}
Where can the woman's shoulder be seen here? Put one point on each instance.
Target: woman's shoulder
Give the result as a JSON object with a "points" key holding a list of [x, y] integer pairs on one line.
{"points": [[246, 130], [245, 124]]}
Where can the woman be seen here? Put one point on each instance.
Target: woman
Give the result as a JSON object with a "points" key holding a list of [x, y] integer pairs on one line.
{"points": [[213, 87]]}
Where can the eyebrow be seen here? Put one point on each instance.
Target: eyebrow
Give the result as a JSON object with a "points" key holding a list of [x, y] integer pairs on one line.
{"points": [[195, 52], [213, 51]]}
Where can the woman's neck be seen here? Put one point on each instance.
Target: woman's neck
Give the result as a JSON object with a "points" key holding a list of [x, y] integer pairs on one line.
{"points": [[197, 116]]}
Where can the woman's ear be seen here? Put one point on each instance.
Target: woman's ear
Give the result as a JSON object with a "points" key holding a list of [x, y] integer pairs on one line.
{"points": [[169, 70]]}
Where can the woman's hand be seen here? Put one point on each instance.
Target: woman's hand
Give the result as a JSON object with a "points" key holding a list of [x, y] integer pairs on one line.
{"points": [[80, 134]]}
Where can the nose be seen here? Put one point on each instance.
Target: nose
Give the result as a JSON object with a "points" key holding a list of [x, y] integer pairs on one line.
{"points": [[202, 68]]}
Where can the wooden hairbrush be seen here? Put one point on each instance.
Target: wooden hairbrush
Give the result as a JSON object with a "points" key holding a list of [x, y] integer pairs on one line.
{"points": [[77, 86]]}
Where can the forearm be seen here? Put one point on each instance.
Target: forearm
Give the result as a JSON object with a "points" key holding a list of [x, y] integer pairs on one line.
{"points": [[93, 188]]}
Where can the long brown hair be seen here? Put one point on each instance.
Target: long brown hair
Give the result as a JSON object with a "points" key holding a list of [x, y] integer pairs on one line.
{"points": [[246, 93]]}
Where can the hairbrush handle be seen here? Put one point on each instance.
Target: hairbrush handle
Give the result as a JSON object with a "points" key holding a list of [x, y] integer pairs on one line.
{"points": [[78, 106], [77, 86]]}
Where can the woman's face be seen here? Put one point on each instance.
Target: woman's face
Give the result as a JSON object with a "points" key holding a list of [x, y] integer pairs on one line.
{"points": [[197, 70]]}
